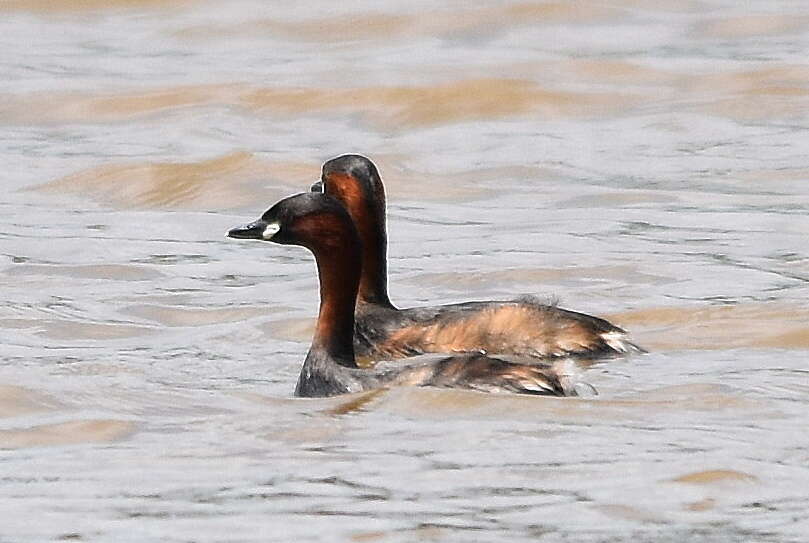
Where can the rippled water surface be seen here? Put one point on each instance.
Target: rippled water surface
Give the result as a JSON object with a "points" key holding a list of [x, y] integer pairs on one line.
{"points": [[644, 161]]}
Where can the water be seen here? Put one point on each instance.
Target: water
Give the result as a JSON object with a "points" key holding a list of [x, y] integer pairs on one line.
{"points": [[645, 161]]}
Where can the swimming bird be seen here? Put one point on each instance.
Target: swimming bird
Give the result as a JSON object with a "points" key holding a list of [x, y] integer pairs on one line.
{"points": [[320, 224], [524, 326]]}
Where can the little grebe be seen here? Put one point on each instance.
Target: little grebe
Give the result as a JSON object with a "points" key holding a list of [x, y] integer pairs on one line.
{"points": [[322, 225], [521, 327]]}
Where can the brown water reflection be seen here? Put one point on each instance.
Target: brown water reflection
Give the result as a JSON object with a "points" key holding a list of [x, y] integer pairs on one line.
{"points": [[241, 179], [391, 106], [432, 22], [715, 476], [15, 401], [642, 161], [774, 90], [67, 433], [753, 325], [231, 179]]}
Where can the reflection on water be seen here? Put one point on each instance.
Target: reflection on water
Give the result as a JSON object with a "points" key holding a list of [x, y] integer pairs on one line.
{"points": [[68, 433], [406, 26], [205, 184], [640, 161], [387, 106], [753, 325]]}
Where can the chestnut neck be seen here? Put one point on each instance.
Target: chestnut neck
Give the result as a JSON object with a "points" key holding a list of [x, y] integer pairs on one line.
{"points": [[365, 203], [338, 267], [374, 279]]}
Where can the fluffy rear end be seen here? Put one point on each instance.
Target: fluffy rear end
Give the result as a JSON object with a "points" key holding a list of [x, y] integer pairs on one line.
{"points": [[569, 376], [618, 342]]}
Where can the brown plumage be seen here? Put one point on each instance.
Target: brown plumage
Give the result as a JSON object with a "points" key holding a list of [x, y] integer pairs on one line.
{"points": [[322, 225], [523, 327]]}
